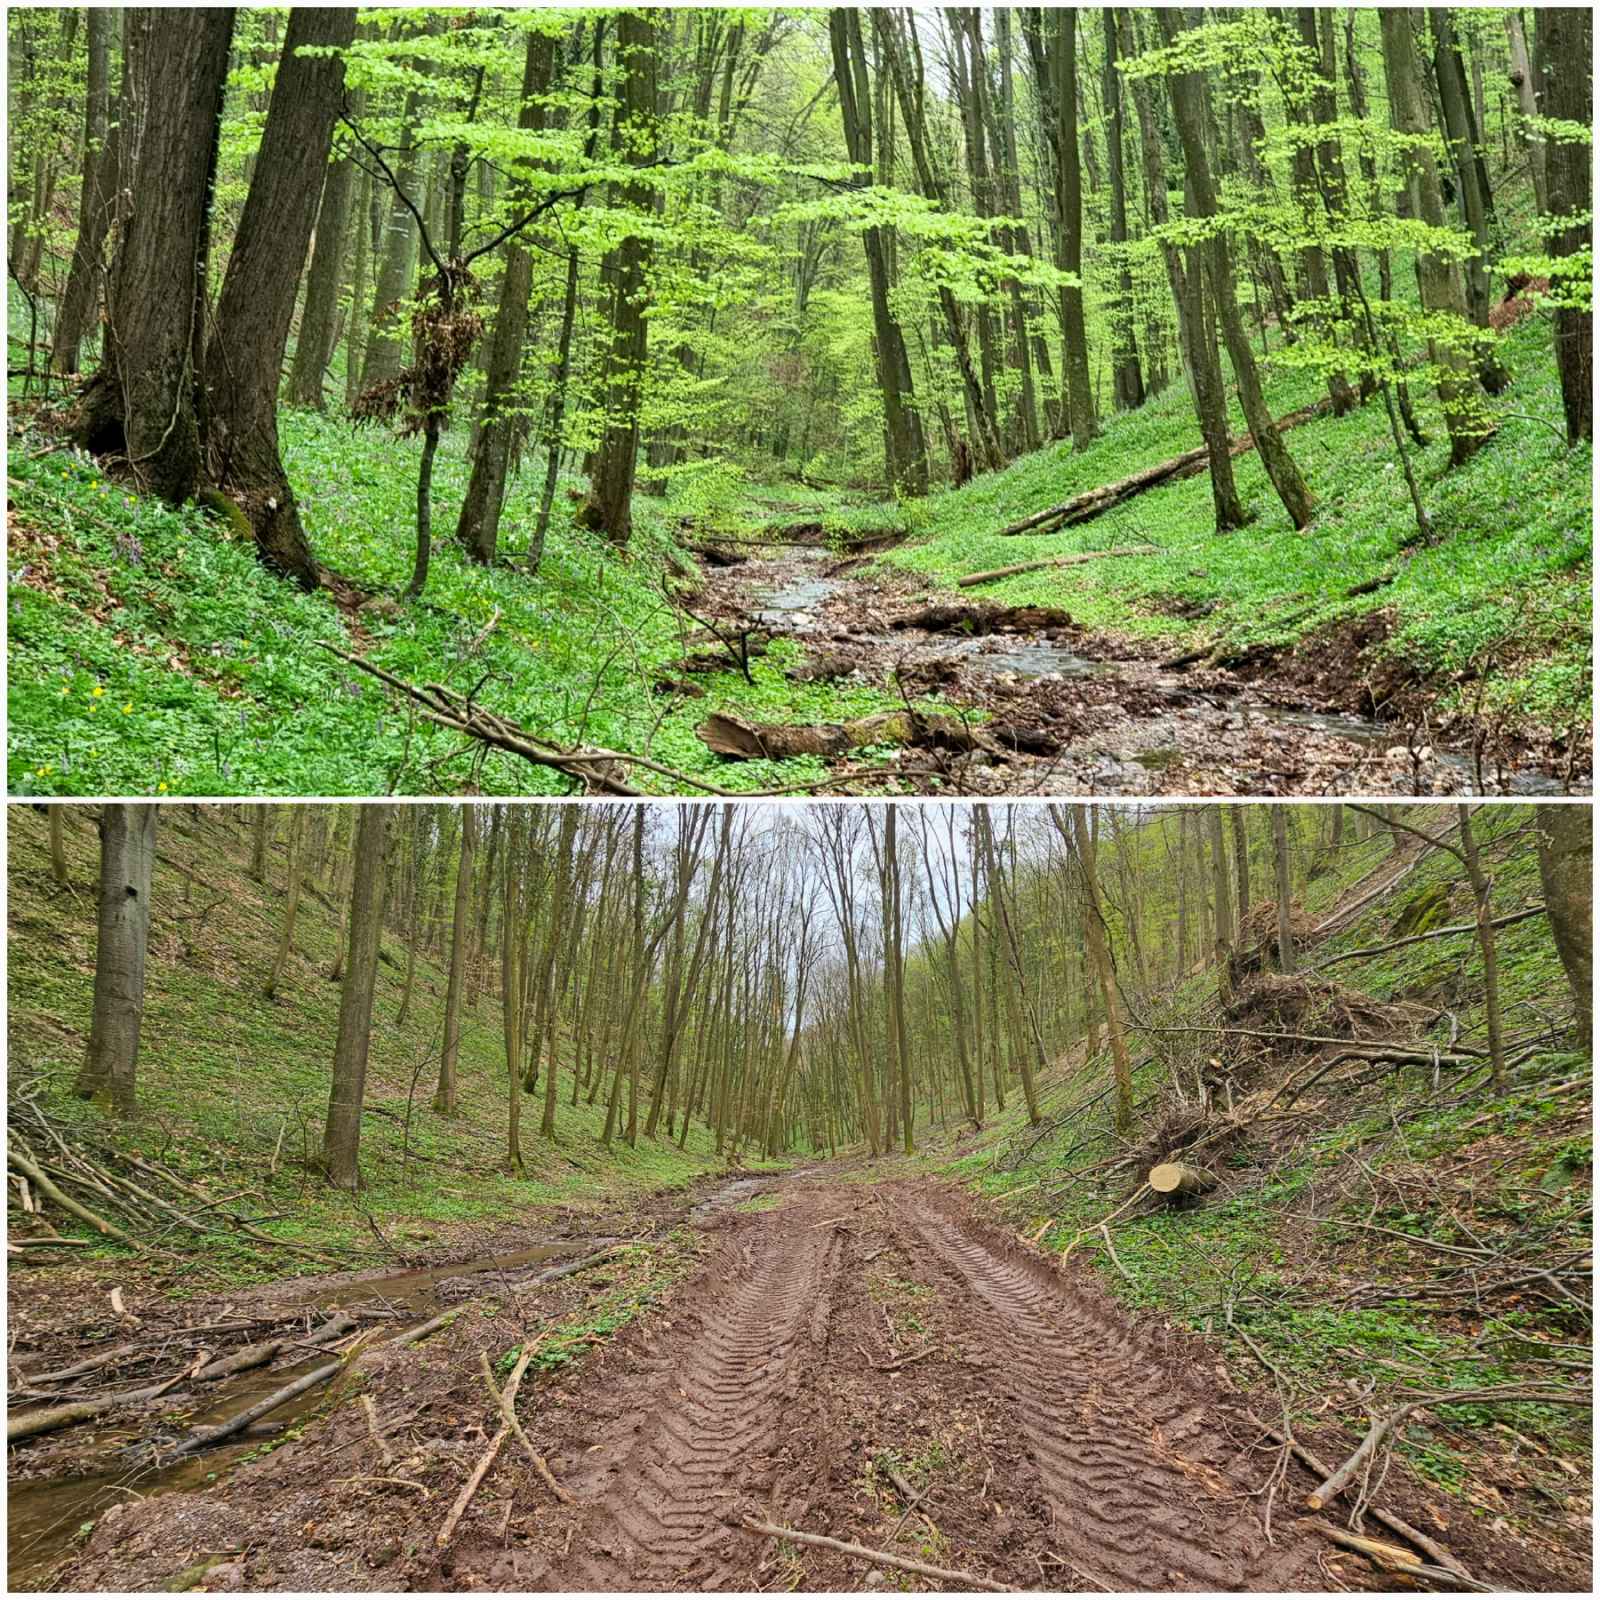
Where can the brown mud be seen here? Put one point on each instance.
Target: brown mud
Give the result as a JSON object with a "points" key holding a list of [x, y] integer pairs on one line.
{"points": [[874, 1363], [1076, 711]]}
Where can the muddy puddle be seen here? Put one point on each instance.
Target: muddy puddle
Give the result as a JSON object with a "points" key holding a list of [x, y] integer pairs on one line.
{"points": [[45, 1516], [726, 1197]]}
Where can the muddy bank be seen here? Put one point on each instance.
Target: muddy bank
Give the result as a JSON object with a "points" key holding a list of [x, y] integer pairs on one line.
{"points": [[1078, 711]]}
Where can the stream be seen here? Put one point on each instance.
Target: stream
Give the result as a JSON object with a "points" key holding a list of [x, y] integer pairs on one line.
{"points": [[1124, 723], [45, 1515]]}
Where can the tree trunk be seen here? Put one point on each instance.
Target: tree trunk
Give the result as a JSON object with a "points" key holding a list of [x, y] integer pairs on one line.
{"points": [[1477, 203], [1280, 854], [1565, 37], [1195, 339], [1438, 277], [1189, 106], [341, 1138], [75, 316], [142, 403], [444, 1099], [245, 358], [479, 526], [385, 349], [1105, 975], [1128, 382], [1069, 217], [1486, 946], [319, 317], [1523, 82], [291, 902], [905, 448], [127, 857], [608, 510], [1565, 838]]}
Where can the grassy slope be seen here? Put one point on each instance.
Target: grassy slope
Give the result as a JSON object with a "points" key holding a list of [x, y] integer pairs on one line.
{"points": [[1516, 1165], [222, 1071], [1506, 582], [152, 655]]}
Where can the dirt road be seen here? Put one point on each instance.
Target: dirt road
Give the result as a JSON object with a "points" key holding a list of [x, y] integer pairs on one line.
{"points": [[874, 1363], [1051, 1446]]}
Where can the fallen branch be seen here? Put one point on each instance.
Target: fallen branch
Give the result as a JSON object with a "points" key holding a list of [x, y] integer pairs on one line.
{"points": [[973, 579], [1418, 938], [1336, 1482], [882, 1558], [205, 1438], [595, 769], [509, 1412], [906, 1361], [1393, 1559], [1429, 1547], [507, 1397], [31, 1170]]}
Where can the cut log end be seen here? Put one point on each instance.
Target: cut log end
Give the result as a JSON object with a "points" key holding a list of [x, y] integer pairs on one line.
{"points": [[1173, 1177]]}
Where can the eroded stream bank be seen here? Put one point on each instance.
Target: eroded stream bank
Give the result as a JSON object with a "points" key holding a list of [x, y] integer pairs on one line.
{"points": [[49, 1509], [1064, 710]]}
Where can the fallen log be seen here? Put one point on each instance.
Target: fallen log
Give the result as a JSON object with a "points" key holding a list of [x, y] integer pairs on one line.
{"points": [[1173, 1177], [995, 574], [204, 1438], [979, 617], [725, 734], [1093, 502], [881, 1558]]}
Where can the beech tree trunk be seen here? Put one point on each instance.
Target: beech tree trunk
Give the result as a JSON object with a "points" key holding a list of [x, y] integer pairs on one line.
{"points": [[1565, 37], [444, 1099], [905, 448], [1189, 107], [1195, 338], [75, 315], [1069, 218], [319, 317], [341, 1139], [478, 528], [256, 306], [1438, 277], [608, 510], [1127, 379], [142, 402], [1565, 835], [127, 857]]}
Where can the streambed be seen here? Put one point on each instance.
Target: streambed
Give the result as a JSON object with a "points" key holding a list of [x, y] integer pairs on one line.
{"points": [[1103, 714]]}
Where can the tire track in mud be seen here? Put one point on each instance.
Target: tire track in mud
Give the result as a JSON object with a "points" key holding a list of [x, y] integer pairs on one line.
{"points": [[1136, 1478], [657, 1503]]}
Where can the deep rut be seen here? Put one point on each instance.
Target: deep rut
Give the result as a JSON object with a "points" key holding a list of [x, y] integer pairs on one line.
{"points": [[657, 1500], [1138, 1483]]}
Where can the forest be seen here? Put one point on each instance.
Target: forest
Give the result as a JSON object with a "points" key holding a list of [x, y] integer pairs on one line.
{"points": [[893, 401], [436, 1197]]}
